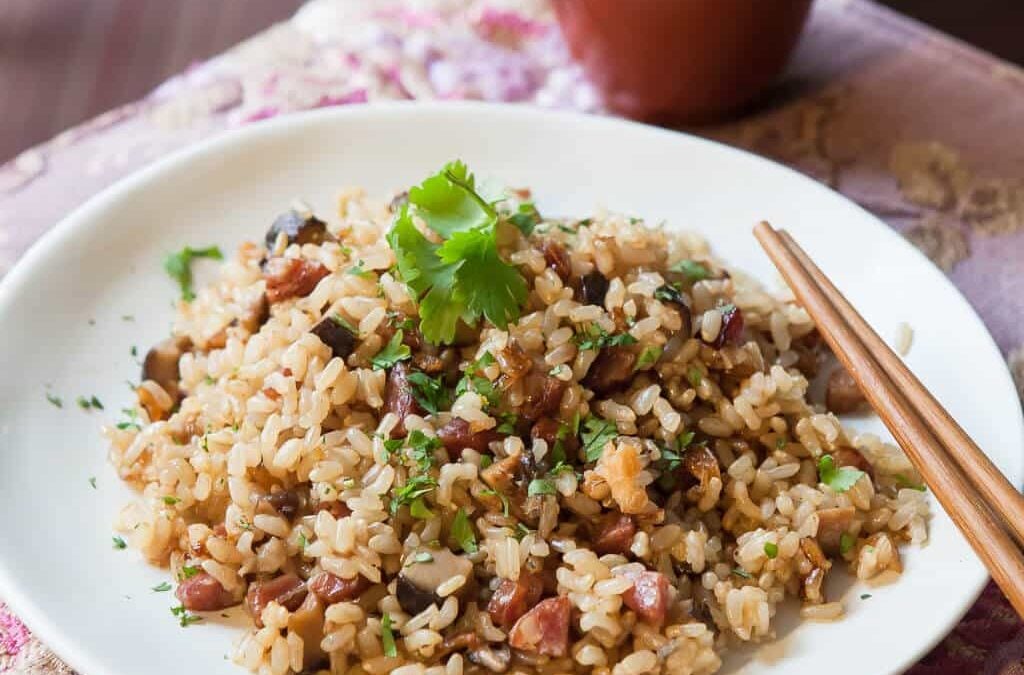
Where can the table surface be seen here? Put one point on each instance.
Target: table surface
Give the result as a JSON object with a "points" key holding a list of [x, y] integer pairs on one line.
{"points": [[915, 126]]}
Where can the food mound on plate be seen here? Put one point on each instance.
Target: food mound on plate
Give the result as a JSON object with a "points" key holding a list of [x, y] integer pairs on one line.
{"points": [[450, 435]]}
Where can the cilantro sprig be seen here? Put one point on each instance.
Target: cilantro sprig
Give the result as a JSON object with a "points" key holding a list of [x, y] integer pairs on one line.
{"points": [[393, 352], [429, 392], [462, 278], [595, 337]]}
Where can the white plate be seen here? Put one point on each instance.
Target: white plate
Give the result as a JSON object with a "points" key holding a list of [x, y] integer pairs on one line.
{"points": [[61, 311]]}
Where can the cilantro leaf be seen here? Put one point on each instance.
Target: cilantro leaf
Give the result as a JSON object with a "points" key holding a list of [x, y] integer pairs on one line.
{"points": [[525, 218], [429, 392], [55, 400], [419, 509], [596, 434], [421, 449], [648, 357], [484, 283], [462, 532], [846, 543], [839, 479], [119, 543], [393, 352], [905, 482], [387, 638], [504, 500], [162, 587], [414, 488], [771, 550], [448, 201], [179, 266]]}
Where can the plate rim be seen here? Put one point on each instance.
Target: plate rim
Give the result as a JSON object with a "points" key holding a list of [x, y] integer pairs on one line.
{"points": [[77, 655]]}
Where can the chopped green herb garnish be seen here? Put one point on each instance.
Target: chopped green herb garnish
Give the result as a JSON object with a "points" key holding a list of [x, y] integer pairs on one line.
{"points": [[525, 218], [91, 403], [504, 500], [508, 423], [429, 392], [740, 572], [415, 487], [694, 376], [521, 531], [565, 228], [596, 337], [393, 352], [127, 317], [486, 461], [399, 321], [865, 596], [462, 532], [188, 571], [391, 446], [171, 501], [693, 270], [55, 400], [358, 271], [179, 267], [92, 482], [781, 443], [184, 617], [421, 449], [387, 638], [162, 587], [839, 479], [648, 357], [846, 543], [473, 380], [905, 482], [303, 542], [541, 486], [209, 380], [771, 550], [463, 277], [596, 433], [420, 557], [119, 543], [419, 509]]}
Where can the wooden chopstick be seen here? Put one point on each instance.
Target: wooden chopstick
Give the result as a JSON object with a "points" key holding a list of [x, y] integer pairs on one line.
{"points": [[1001, 495], [953, 490]]}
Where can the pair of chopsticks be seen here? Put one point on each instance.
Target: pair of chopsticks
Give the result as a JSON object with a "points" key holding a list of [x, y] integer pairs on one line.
{"points": [[986, 508]]}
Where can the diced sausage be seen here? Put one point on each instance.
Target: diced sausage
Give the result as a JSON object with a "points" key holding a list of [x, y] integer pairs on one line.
{"points": [[615, 534], [832, 524], [544, 396], [612, 369], [513, 598], [593, 288], [544, 629], [550, 429], [331, 589], [256, 315], [648, 596], [287, 590], [457, 434], [700, 463], [336, 335], [203, 593], [336, 509], [292, 278], [299, 228], [557, 258], [732, 327], [399, 398], [842, 395]]}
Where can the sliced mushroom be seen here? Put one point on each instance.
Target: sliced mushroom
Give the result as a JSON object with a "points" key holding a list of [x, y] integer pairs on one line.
{"points": [[593, 288], [161, 364], [336, 335], [308, 623], [283, 502], [423, 570], [557, 258], [833, 523], [543, 396], [673, 295], [612, 369], [299, 228], [257, 315], [495, 660], [813, 583]]}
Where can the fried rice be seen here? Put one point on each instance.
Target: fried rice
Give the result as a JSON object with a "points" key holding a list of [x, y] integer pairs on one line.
{"points": [[629, 476]]}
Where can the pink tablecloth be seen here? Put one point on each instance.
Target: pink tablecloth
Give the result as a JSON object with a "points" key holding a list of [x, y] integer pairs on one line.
{"points": [[914, 126]]}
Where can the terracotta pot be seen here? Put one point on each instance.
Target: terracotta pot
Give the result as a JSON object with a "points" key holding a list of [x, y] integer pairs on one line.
{"points": [[681, 60]]}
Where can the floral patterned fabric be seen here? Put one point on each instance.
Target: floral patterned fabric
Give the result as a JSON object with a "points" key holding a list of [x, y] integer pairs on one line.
{"points": [[910, 124]]}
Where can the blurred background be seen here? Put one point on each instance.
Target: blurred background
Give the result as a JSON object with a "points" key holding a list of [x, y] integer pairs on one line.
{"points": [[64, 61]]}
